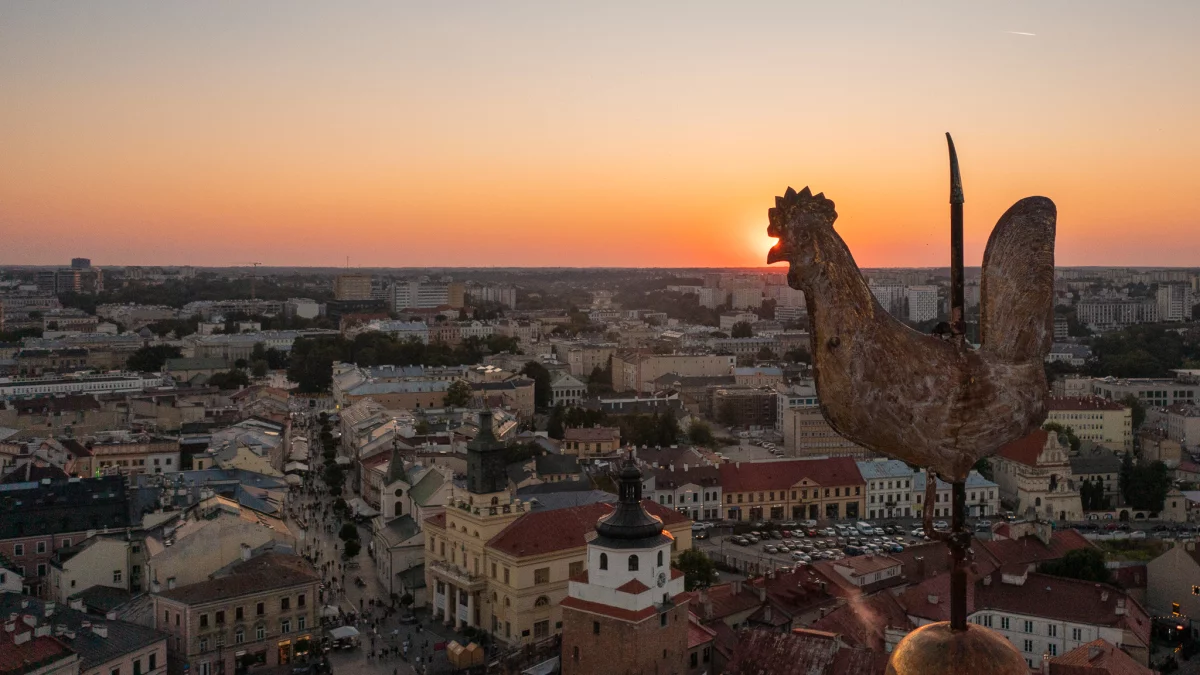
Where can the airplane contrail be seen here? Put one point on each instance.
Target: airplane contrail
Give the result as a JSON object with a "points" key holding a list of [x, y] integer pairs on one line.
{"points": [[1017, 32]]}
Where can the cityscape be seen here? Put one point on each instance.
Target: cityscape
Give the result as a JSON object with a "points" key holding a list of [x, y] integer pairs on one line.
{"points": [[391, 339]]}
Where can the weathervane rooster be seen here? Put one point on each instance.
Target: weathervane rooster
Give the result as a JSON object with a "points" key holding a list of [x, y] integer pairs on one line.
{"points": [[930, 400]]}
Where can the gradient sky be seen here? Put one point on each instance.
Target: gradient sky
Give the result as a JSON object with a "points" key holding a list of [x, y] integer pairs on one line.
{"points": [[615, 133]]}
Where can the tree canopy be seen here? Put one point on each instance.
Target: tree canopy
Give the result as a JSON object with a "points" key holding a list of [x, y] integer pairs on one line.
{"points": [[1086, 564], [152, 359], [541, 383], [698, 569], [458, 395], [742, 329]]}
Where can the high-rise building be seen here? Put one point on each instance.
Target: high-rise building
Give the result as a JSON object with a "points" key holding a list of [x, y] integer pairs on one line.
{"points": [[81, 263], [1175, 302], [629, 613], [426, 295], [890, 295], [352, 287], [922, 303]]}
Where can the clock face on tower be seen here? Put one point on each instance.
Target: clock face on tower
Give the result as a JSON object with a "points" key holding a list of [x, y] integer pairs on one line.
{"points": [[662, 579]]}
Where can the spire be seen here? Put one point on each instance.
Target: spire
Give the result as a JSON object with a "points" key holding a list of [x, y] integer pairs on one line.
{"points": [[629, 520], [396, 463]]}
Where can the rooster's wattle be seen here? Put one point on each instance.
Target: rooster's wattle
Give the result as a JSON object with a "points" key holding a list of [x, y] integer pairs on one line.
{"points": [[924, 399]]}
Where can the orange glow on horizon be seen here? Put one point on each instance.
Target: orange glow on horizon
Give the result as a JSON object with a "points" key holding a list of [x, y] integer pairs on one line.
{"points": [[548, 135]]}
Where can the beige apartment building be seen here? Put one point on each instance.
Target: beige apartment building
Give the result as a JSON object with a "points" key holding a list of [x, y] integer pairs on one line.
{"points": [[1095, 419], [806, 433], [632, 371], [126, 457], [582, 359], [591, 442], [263, 612], [352, 287]]}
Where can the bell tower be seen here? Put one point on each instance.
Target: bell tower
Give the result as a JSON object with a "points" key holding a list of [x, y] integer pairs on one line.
{"points": [[628, 613], [486, 476]]}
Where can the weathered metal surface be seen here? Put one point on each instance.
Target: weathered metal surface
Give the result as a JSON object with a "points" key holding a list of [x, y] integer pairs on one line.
{"points": [[929, 401], [936, 649]]}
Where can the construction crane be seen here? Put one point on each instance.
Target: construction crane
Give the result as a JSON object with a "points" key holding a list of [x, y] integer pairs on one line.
{"points": [[253, 277]]}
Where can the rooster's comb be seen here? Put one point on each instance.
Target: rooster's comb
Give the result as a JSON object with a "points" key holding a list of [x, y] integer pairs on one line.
{"points": [[805, 200]]}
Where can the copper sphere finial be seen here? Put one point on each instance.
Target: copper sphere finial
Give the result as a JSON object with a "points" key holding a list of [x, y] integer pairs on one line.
{"points": [[936, 649]]}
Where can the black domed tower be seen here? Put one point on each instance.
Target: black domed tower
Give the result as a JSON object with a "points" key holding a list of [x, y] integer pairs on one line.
{"points": [[485, 460], [629, 525]]}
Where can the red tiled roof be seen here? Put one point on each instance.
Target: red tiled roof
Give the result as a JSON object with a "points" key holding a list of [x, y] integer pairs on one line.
{"points": [[36, 653], [1025, 450], [438, 521], [1030, 549], [1082, 403], [1098, 657], [541, 532], [633, 587], [697, 634], [862, 621], [781, 475], [726, 602], [1188, 467], [616, 612], [867, 564]]}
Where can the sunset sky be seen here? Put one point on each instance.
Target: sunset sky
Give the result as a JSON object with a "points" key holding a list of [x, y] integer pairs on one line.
{"points": [[607, 133]]}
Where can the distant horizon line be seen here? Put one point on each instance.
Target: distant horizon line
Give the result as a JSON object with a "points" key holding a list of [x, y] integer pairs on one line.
{"points": [[775, 269]]}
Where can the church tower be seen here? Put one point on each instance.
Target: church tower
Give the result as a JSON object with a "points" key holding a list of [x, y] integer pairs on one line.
{"points": [[393, 496], [627, 613], [486, 475]]}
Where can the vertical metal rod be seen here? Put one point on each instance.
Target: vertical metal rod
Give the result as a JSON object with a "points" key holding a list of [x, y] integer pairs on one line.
{"points": [[959, 539], [959, 542]]}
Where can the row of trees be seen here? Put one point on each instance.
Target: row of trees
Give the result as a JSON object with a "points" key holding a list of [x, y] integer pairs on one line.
{"points": [[637, 429], [311, 361], [1144, 485]]}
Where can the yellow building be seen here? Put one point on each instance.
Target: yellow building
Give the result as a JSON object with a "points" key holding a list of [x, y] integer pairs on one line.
{"points": [[493, 564], [817, 489], [1095, 419]]}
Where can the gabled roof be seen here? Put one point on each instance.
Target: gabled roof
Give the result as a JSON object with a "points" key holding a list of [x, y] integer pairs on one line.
{"points": [[426, 487], [1026, 450], [861, 622], [1031, 550], [542, 532], [592, 434], [782, 475], [265, 572], [1098, 657]]}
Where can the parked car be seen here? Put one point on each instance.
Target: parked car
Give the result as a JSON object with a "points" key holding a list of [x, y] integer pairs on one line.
{"points": [[776, 534], [770, 549]]}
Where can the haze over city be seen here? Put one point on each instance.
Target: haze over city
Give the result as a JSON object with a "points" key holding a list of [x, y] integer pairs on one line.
{"points": [[541, 134]]}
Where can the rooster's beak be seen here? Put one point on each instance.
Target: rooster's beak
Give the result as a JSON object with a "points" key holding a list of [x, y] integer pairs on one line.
{"points": [[776, 254]]}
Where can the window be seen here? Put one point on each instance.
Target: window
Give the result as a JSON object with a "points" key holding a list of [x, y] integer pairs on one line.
{"points": [[603, 561], [238, 614], [41, 547], [1028, 646], [115, 671], [220, 617], [204, 621], [203, 644], [301, 622], [18, 549], [575, 568], [660, 558], [1077, 634], [506, 575], [1052, 648], [300, 600], [153, 660], [662, 619], [1052, 630], [595, 628], [541, 575], [542, 601], [541, 629], [285, 604], [633, 563], [41, 569], [493, 570], [261, 609], [1028, 626], [67, 542], [285, 626], [239, 636], [1004, 623], [260, 633]]}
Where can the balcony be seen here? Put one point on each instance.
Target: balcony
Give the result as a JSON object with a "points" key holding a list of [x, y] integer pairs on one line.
{"points": [[457, 576]]}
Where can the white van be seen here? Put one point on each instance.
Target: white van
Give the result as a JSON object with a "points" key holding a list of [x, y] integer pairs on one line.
{"points": [[865, 528]]}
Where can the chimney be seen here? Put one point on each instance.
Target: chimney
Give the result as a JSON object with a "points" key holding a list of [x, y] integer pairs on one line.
{"points": [[920, 560], [1103, 596], [111, 615], [60, 630], [245, 551], [77, 604], [10, 626], [100, 629], [933, 599], [706, 604], [1094, 651], [737, 587], [1120, 610], [30, 620], [22, 638], [987, 580], [762, 592], [767, 614], [42, 630], [49, 608]]}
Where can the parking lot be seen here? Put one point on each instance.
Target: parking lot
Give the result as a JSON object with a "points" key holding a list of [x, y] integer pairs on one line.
{"points": [[746, 451], [791, 545]]}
